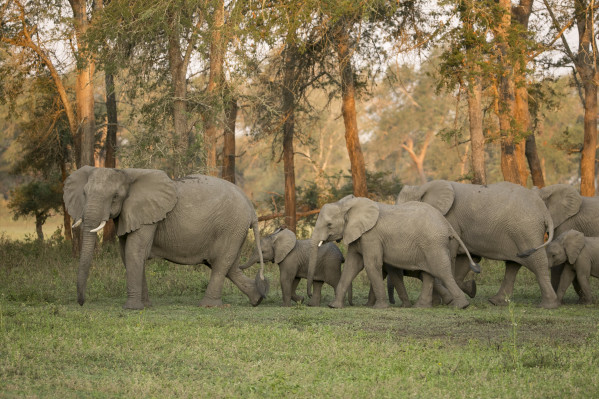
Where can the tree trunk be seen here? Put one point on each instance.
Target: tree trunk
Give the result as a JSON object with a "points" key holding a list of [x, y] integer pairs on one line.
{"points": [[288, 135], [534, 162], [38, 228], [477, 137], [84, 89], [109, 232], [348, 109], [229, 141], [214, 86], [587, 160]]}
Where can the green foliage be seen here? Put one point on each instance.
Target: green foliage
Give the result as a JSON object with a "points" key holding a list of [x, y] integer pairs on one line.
{"points": [[37, 199]]}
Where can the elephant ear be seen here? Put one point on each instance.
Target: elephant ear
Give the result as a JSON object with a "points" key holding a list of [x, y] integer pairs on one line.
{"points": [[562, 201], [439, 194], [409, 193], [152, 194], [73, 191], [573, 244], [283, 244], [361, 215]]}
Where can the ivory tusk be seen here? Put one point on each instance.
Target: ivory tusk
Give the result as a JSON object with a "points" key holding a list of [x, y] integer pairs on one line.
{"points": [[77, 223], [320, 243], [100, 227]]}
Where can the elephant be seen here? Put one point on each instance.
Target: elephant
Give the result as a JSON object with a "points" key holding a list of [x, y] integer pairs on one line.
{"points": [[193, 220], [412, 236], [579, 256], [501, 221], [569, 210], [292, 255]]}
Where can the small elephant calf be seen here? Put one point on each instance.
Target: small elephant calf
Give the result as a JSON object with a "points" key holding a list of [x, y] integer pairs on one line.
{"points": [[293, 255], [580, 257]]}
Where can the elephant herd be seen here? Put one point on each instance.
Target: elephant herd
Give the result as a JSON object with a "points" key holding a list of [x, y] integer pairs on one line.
{"points": [[435, 232]]}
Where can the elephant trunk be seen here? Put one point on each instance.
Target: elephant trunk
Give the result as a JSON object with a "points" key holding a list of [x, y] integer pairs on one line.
{"points": [[314, 244], [88, 243], [255, 258]]}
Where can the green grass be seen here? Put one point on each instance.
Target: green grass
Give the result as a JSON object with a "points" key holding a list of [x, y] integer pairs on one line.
{"points": [[52, 347]]}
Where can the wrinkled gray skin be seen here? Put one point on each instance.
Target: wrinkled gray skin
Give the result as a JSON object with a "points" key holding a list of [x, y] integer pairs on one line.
{"points": [[501, 221], [292, 256], [579, 257], [197, 219], [569, 210], [412, 236]]}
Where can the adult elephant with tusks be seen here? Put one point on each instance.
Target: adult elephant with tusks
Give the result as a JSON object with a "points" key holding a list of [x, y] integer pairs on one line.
{"points": [[193, 220], [501, 221], [412, 236]]}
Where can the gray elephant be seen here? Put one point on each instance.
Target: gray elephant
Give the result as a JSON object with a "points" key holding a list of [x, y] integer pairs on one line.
{"points": [[501, 221], [194, 220], [292, 255], [579, 256], [412, 236], [569, 210]]}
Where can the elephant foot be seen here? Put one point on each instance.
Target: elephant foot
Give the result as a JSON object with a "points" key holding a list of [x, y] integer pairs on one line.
{"points": [[437, 300], [585, 301], [133, 304], [460, 303], [336, 305], [211, 303], [498, 300], [423, 304], [406, 304], [469, 288], [549, 304], [369, 303], [381, 305]]}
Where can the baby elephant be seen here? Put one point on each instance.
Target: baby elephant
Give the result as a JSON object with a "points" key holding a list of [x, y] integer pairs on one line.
{"points": [[292, 256], [580, 256]]}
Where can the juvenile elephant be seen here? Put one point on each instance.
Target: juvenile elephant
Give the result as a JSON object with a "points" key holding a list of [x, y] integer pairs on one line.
{"points": [[412, 236], [579, 256], [292, 255], [569, 210], [501, 221], [194, 220]]}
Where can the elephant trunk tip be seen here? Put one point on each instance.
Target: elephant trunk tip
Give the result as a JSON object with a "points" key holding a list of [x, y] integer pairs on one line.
{"points": [[262, 285]]}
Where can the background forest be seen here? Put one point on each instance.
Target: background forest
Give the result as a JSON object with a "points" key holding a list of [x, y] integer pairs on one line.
{"points": [[299, 103]]}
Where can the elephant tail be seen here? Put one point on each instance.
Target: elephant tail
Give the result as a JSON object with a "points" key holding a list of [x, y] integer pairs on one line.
{"points": [[549, 230], [261, 281], [475, 267]]}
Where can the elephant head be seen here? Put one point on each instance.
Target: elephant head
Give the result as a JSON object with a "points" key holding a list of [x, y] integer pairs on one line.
{"points": [[346, 219], [275, 247], [562, 200], [565, 248], [438, 193], [132, 197]]}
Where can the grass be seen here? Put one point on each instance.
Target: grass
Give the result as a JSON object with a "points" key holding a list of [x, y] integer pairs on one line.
{"points": [[52, 347]]}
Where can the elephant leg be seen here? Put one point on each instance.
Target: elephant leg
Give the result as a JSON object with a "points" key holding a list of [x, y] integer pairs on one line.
{"points": [[440, 292], [390, 291], [315, 300], [245, 285], [294, 296], [537, 263], [145, 297], [507, 285], [352, 266], [461, 269], [137, 249], [583, 274], [566, 279], [373, 263], [371, 297], [286, 286], [425, 299], [443, 272], [395, 278], [556, 276]]}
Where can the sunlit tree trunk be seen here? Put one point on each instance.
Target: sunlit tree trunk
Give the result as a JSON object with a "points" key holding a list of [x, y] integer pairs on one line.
{"points": [[214, 87], [229, 141], [348, 109], [477, 137], [288, 135], [109, 232]]}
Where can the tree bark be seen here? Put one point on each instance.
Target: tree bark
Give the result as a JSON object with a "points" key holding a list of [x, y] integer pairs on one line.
{"points": [[229, 141], [477, 137], [214, 85], [288, 135], [534, 163], [109, 232], [348, 109]]}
